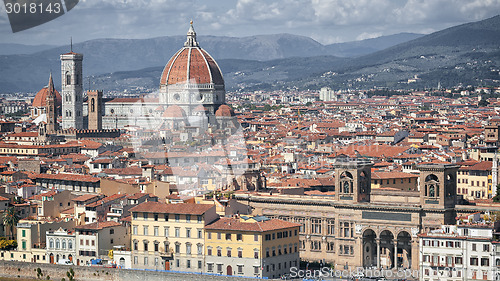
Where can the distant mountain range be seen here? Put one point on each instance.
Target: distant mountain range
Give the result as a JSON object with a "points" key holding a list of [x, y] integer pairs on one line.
{"points": [[468, 54], [29, 71]]}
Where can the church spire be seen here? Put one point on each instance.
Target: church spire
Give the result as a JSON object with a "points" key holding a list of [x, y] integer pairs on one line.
{"points": [[191, 37], [50, 86]]}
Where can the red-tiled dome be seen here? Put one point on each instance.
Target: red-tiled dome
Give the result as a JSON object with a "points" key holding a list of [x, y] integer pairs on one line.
{"points": [[41, 98], [191, 64], [174, 111], [200, 108], [224, 111]]}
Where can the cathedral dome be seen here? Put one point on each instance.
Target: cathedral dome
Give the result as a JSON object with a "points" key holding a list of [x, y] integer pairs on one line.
{"points": [[174, 111], [191, 65], [224, 111], [40, 99]]}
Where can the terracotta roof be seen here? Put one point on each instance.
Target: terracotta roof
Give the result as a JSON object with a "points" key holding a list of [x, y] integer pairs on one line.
{"points": [[106, 200], [258, 226], [224, 111], [85, 197], [191, 65], [392, 175], [40, 99], [174, 111], [181, 208], [68, 177], [98, 225]]}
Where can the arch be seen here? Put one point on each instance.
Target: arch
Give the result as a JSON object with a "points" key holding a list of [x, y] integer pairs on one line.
{"points": [[68, 78], [229, 270], [387, 252], [92, 105], [122, 262], [70, 257], [369, 248], [403, 249], [51, 258], [346, 174], [431, 177]]}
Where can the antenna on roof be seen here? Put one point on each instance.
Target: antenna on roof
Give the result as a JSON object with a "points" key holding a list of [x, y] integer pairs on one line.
{"points": [[71, 43]]}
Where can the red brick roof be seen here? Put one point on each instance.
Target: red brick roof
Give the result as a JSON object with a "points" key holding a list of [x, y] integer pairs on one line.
{"points": [[68, 177], [98, 225], [261, 226], [181, 208]]}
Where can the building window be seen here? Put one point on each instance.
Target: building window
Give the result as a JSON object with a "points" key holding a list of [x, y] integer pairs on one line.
{"points": [[330, 246], [157, 246], [136, 246], [240, 253], [219, 251], [316, 226], [255, 237], [177, 217], [209, 235], [200, 234], [346, 229], [255, 253], [178, 263], [188, 232], [240, 269], [228, 236], [155, 217], [136, 259], [165, 230], [229, 252], [209, 251], [145, 215], [200, 218], [156, 231], [315, 245], [239, 237], [188, 263], [210, 267], [188, 218], [145, 246], [331, 227], [219, 268], [145, 230], [219, 236], [177, 248], [188, 248], [177, 232]]}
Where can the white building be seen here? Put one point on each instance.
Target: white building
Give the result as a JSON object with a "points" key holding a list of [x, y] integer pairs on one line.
{"points": [[61, 245], [460, 252]]}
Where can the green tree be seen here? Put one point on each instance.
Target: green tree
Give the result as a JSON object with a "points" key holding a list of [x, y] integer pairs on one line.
{"points": [[10, 219]]}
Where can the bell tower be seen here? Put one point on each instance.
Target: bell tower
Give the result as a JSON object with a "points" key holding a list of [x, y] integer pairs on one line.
{"points": [[438, 193], [95, 109], [353, 181], [51, 108], [72, 90]]}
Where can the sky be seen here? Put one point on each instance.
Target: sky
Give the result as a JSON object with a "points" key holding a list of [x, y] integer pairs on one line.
{"points": [[326, 21]]}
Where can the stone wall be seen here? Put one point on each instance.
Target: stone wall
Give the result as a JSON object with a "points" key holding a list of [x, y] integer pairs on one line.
{"points": [[84, 273]]}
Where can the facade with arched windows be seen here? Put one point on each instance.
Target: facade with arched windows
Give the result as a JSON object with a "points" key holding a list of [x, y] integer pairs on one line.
{"points": [[61, 245], [363, 227]]}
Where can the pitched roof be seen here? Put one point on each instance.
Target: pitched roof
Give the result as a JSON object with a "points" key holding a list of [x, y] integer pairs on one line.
{"points": [[98, 225], [181, 208], [258, 226]]}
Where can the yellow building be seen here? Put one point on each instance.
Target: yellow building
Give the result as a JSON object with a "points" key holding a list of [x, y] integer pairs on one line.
{"points": [[474, 182], [251, 246], [170, 236], [399, 180]]}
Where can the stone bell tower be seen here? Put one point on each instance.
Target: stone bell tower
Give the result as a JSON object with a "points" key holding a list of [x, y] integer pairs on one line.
{"points": [[438, 193], [353, 181]]}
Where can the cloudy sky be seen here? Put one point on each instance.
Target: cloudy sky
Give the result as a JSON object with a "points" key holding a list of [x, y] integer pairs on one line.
{"points": [[327, 21]]}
